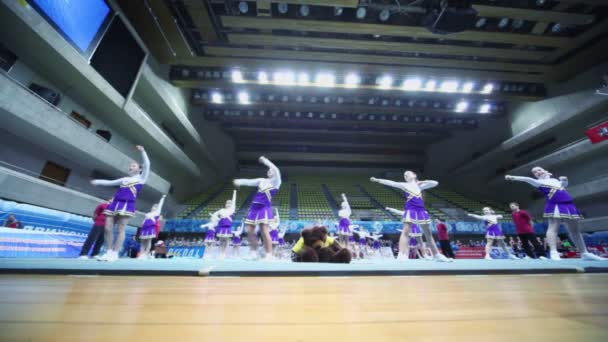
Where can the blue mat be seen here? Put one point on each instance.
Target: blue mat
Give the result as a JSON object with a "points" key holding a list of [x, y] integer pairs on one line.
{"points": [[198, 267]]}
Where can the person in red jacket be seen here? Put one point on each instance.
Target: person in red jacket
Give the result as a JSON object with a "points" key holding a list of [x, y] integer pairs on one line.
{"points": [[12, 222], [96, 233], [444, 239], [525, 230]]}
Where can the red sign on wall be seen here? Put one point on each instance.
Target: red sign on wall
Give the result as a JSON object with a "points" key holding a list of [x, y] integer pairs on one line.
{"points": [[598, 133]]}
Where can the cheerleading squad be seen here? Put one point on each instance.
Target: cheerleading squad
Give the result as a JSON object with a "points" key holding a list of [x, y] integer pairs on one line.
{"points": [[315, 244]]}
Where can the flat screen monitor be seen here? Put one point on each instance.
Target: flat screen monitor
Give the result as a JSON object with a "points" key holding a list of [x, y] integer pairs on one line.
{"points": [[80, 22]]}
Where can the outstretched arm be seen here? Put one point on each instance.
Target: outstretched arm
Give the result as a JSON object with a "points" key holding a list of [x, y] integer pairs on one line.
{"points": [[395, 211], [387, 182], [145, 164], [528, 180], [232, 208], [347, 211], [276, 173], [105, 182], [476, 216], [248, 182], [498, 217], [427, 184]]}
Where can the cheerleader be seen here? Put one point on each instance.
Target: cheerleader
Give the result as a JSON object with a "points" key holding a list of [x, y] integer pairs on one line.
{"points": [[344, 227], [261, 212], [415, 211], [221, 225], [123, 206], [415, 234], [148, 229], [559, 207], [493, 232]]}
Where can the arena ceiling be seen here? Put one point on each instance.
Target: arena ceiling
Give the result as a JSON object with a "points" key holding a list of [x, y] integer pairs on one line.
{"points": [[316, 80]]}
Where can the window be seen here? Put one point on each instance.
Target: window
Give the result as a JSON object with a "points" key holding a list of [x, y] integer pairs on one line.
{"points": [[55, 173], [80, 119]]}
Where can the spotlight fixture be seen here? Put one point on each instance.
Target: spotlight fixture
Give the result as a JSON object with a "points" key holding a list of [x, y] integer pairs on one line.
{"points": [[384, 15], [481, 22], [299, 98], [338, 11], [487, 89], [385, 82], [518, 23], [361, 12], [412, 84], [284, 77], [468, 87], [237, 76], [325, 80], [263, 77], [430, 85], [540, 2], [503, 23], [462, 106], [243, 7], [484, 108], [283, 7], [303, 78], [304, 10], [243, 97], [448, 86], [352, 80], [217, 98], [557, 28]]}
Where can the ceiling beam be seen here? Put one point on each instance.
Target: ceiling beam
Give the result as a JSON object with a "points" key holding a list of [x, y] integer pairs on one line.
{"points": [[581, 61], [335, 3], [580, 40], [201, 18], [351, 44], [169, 26], [374, 59], [363, 144], [242, 22], [343, 68], [534, 15], [330, 157]]}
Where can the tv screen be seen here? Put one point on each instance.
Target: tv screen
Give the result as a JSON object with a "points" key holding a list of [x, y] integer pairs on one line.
{"points": [[81, 22], [118, 57]]}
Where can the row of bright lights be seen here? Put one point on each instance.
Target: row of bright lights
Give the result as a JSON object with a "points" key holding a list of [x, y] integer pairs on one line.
{"points": [[244, 99], [353, 80]]}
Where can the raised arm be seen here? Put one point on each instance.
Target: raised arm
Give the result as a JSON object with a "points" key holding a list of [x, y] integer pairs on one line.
{"points": [[387, 182], [232, 208], [105, 182], [159, 209], [528, 180], [395, 211], [564, 181], [347, 211], [248, 182], [276, 173], [427, 184], [145, 164]]}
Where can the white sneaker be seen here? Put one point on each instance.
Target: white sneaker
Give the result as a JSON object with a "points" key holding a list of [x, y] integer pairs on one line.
{"points": [[441, 258], [142, 256], [554, 256], [513, 257], [543, 258], [104, 257], [113, 256], [591, 257], [251, 257], [487, 257], [83, 257]]}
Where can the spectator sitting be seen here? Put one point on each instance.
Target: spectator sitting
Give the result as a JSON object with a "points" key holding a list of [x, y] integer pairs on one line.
{"points": [[12, 222], [160, 250], [131, 247]]}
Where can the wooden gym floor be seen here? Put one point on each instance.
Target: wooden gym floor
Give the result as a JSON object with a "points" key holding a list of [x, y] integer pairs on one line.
{"points": [[567, 307]]}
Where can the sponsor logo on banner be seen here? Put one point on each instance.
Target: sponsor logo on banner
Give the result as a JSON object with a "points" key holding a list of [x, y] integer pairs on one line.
{"points": [[186, 252]]}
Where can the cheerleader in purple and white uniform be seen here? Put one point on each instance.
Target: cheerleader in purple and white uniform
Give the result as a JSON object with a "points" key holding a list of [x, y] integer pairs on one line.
{"points": [[123, 206], [221, 225], [261, 212], [493, 232], [344, 225], [559, 207], [148, 228], [415, 234], [415, 211]]}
